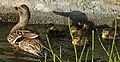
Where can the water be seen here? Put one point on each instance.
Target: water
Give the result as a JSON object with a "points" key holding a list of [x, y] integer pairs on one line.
{"points": [[56, 42]]}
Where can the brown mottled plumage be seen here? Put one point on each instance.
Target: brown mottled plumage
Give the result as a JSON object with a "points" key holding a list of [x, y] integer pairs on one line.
{"points": [[24, 39]]}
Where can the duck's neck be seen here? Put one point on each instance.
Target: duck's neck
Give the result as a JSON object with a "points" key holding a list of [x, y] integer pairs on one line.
{"points": [[23, 20], [21, 24]]}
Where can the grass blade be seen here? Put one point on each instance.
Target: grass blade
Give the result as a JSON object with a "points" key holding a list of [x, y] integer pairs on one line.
{"points": [[50, 50], [54, 57], [72, 39], [69, 23], [87, 55], [92, 45], [45, 57], [49, 45], [82, 53], [60, 55], [102, 44], [75, 53], [113, 43], [68, 60], [117, 53]]}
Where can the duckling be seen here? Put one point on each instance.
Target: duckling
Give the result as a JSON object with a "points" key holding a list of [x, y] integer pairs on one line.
{"points": [[73, 29], [52, 31], [24, 39], [108, 33], [88, 25], [80, 40], [79, 37], [81, 31], [50, 27]]}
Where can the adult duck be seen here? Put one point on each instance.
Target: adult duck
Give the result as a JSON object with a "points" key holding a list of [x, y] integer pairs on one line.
{"points": [[24, 39]]}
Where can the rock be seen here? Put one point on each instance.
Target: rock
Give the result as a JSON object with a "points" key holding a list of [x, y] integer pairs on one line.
{"points": [[99, 12]]}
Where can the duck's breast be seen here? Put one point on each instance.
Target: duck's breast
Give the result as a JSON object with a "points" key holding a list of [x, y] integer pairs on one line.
{"points": [[13, 37]]}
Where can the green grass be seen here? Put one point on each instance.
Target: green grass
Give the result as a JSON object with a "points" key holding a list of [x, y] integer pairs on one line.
{"points": [[45, 57], [92, 46], [111, 55], [50, 50], [60, 55], [69, 24], [102, 43], [113, 43], [117, 53], [81, 55], [87, 55]]}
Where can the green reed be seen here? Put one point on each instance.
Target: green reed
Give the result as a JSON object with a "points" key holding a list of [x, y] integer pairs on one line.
{"points": [[69, 23], [113, 43]]}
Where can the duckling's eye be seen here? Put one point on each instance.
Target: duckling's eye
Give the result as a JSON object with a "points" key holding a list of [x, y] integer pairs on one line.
{"points": [[86, 26], [79, 23]]}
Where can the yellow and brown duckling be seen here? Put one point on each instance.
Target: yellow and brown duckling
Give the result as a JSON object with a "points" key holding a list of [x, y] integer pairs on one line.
{"points": [[81, 31], [108, 33], [24, 39], [79, 37], [80, 40], [88, 25]]}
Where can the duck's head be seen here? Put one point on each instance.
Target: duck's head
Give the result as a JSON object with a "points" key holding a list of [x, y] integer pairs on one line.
{"points": [[86, 26], [80, 24], [23, 11], [105, 32], [83, 24]]}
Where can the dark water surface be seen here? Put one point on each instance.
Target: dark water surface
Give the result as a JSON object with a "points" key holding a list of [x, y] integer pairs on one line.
{"points": [[56, 42]]}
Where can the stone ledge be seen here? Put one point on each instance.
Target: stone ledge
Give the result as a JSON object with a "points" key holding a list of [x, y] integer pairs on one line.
{"points": [[99, 12]]}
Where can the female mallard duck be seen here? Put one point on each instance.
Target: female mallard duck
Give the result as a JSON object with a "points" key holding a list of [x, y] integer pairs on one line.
{"points": [[24, 39]]}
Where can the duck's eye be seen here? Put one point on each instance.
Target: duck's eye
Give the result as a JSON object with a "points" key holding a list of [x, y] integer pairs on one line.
{"points": [[20, 33], [20, 12], [16, 8]]}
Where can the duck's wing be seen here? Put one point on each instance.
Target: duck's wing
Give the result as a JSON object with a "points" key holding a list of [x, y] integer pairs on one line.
{"points": [[31, 45], [14, 36], [20, 34], [29, 34]]}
